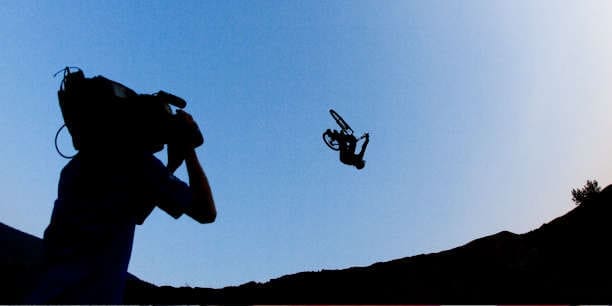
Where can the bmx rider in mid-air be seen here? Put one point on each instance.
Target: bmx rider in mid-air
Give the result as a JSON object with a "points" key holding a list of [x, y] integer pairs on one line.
{"points": [[345, 142], [348, 144]]}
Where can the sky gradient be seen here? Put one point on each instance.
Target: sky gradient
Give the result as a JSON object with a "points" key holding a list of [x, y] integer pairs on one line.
{"points": [[483, 116]]}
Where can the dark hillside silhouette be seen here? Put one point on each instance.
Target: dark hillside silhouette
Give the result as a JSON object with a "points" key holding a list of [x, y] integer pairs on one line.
{"points": [[565, 261], [20, 262]]}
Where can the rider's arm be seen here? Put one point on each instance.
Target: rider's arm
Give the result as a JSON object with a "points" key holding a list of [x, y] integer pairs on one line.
{"points": [[202, 208]]}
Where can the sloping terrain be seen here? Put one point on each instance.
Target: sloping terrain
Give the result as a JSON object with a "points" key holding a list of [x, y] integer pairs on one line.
{"points": [[565, 261], [20, 261]]}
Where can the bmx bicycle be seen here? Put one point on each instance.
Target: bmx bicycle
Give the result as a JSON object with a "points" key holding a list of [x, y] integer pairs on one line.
{"points": [[331, 138]]}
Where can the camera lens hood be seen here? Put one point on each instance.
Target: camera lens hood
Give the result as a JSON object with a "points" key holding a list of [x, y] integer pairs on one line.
{"points": [[171, 99]]}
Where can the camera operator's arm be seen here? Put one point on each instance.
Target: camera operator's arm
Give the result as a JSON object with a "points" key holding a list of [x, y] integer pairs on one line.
{"points": [[175, 157], [202, 207]]}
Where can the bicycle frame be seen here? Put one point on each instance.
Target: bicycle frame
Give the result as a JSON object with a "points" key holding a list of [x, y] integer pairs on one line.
{"points": [[345, 128]]}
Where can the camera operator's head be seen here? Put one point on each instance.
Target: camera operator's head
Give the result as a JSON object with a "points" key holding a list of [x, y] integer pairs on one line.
{"points": [[146, 124]]}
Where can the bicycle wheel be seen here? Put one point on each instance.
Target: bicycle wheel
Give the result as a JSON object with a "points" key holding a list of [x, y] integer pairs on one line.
{"points": [[341, 121], [330, 141]]}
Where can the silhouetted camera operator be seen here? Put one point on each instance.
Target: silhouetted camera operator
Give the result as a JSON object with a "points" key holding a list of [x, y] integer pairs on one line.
{"points": [[113, 183]]}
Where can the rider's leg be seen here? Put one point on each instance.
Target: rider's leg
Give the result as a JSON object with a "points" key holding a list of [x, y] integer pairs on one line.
{"points": [[363, 148]]}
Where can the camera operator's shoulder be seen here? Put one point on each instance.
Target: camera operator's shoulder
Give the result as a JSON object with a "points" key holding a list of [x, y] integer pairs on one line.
{"points": [[73, 165], [154, 167], [153, 160]]}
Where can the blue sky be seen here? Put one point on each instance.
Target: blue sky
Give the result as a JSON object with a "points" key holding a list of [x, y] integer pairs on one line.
{"points": [[483, 116]]}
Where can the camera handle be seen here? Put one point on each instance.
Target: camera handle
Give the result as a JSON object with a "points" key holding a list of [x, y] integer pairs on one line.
{"points": [[57, 147]]}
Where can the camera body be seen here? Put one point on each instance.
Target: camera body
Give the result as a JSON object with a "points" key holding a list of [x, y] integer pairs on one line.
{"points": [[100, 113]]}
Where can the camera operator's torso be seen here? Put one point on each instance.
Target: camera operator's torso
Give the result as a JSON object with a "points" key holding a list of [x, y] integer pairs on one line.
{"points": [[88, 242]]}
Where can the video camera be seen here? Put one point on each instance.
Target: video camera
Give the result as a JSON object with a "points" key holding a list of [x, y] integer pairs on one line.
{"points": [[99, 112]]}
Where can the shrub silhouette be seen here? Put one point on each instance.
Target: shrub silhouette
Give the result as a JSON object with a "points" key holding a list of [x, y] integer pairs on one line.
{"points": [[588, 192]]}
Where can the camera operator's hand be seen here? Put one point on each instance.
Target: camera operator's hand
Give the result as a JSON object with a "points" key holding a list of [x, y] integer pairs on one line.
{"points": [[188, 130], [176, 156], [187, 136]]}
